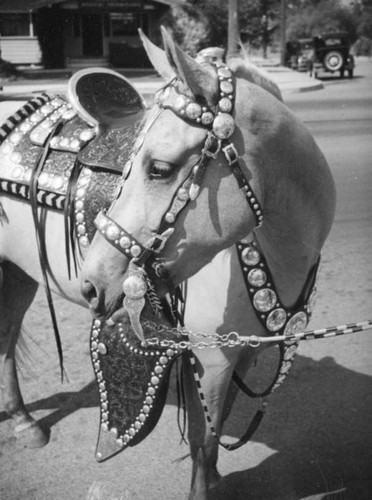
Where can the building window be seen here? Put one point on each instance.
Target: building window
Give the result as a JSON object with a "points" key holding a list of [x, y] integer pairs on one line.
{"points": [[124, 23], [15, 25]]}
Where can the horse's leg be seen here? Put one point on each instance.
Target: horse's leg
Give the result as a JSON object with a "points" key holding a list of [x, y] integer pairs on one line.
{"points": [[247, 359], [215, 369], [16, 294]]}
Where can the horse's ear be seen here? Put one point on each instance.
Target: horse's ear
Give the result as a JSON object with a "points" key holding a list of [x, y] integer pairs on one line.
{"points": [[200, 78], [158, 58]]}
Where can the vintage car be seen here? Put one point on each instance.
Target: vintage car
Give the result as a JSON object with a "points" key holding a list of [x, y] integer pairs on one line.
{"points": [[331, 53], [298, 53], [306, 53]]}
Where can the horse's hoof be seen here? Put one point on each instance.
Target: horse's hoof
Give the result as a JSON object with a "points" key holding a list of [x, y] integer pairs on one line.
{"points": [[31, 435]]}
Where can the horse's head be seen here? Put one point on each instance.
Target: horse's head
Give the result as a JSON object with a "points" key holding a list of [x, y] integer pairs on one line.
{"points": [[185, 192]]}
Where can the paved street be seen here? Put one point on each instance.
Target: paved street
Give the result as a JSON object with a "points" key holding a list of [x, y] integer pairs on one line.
{"points": [[315, 442]]}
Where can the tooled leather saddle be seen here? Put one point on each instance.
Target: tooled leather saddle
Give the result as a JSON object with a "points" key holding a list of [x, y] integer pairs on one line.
{"points": [[68, 154]]}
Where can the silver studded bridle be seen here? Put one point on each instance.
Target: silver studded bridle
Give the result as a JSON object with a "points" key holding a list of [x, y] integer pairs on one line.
{"points": [[220, 125], [144, 259]]}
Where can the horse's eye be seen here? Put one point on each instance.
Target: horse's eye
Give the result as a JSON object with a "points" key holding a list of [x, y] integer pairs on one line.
{"points": [[160, 170]]}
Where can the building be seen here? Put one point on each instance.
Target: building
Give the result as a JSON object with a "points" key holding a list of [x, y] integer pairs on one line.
{"points": [[78, 33]]}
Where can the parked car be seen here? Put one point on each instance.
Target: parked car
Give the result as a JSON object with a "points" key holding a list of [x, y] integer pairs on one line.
{"points": [[306, 54], [331, 53], [292, 51]]}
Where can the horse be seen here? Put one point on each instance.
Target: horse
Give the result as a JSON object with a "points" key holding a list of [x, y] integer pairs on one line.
{"points": [[223, 179], [200, 248]]}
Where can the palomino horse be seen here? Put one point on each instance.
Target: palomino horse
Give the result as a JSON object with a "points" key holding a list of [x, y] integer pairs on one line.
{"points": [[214, 129], [293, 203]]}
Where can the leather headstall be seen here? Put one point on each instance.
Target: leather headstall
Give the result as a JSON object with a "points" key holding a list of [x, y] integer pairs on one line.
{"points": [[220, 125]]}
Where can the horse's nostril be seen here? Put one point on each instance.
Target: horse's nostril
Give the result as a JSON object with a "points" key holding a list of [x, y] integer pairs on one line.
{"points": [[91, 295]]}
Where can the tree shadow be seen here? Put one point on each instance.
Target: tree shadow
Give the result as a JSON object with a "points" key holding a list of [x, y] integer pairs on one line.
{"points": [[318, 427]]}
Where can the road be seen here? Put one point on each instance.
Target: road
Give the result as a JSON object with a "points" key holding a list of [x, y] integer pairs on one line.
{"points": [[315, 442]]}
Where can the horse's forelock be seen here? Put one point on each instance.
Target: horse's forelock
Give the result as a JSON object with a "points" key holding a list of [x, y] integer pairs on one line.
{"points": [[242, 68]]}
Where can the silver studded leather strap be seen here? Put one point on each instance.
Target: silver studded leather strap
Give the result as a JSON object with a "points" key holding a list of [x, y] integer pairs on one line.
{"points": [[231, 156], [117, 236]]}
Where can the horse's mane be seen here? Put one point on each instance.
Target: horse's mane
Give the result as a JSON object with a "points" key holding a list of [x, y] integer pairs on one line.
{"points": [[243, 68]]}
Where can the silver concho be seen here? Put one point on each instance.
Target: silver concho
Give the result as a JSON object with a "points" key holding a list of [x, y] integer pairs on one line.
{"points": [[193, 110], [226, 87], [250, 256], [15, 138], [264, 299], [296, 324], [257, 277], [134, 287], [225, 104], [290, 352], [112, 232], [180, 102], [87, 134], [125, 242], [183, 194], [223, 126], [276, 319], [224, 72], [43, 179], [135, 251], [58, 182], [207, 118], [18, 172]]}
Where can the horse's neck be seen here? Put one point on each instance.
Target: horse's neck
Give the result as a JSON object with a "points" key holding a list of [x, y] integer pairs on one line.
{"points": [[292, 181], [217, 298]]}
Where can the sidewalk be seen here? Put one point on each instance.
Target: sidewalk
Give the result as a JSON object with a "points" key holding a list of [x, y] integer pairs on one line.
{"points": [[146, 82]]}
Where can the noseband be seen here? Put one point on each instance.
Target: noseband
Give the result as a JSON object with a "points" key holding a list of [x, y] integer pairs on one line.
{"points": [[220, 125]]}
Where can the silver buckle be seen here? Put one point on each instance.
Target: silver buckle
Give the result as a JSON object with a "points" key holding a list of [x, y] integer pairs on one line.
{"points": [[163, 238], [206, 151], [230, 153]]}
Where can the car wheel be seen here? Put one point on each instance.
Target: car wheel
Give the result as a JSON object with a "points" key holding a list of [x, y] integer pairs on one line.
{"points": [[333, 61]]}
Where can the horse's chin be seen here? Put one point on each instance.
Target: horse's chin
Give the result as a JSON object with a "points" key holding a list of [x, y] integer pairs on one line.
{"points": [[121, 316]]}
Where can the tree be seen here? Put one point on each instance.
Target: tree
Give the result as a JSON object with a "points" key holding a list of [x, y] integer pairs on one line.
{"points": [[203, 23], [312, 17], [189, 27]]}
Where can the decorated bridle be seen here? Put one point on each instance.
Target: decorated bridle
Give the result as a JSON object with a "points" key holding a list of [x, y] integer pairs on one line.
{"points": [[286, 324], [220, 125]]}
